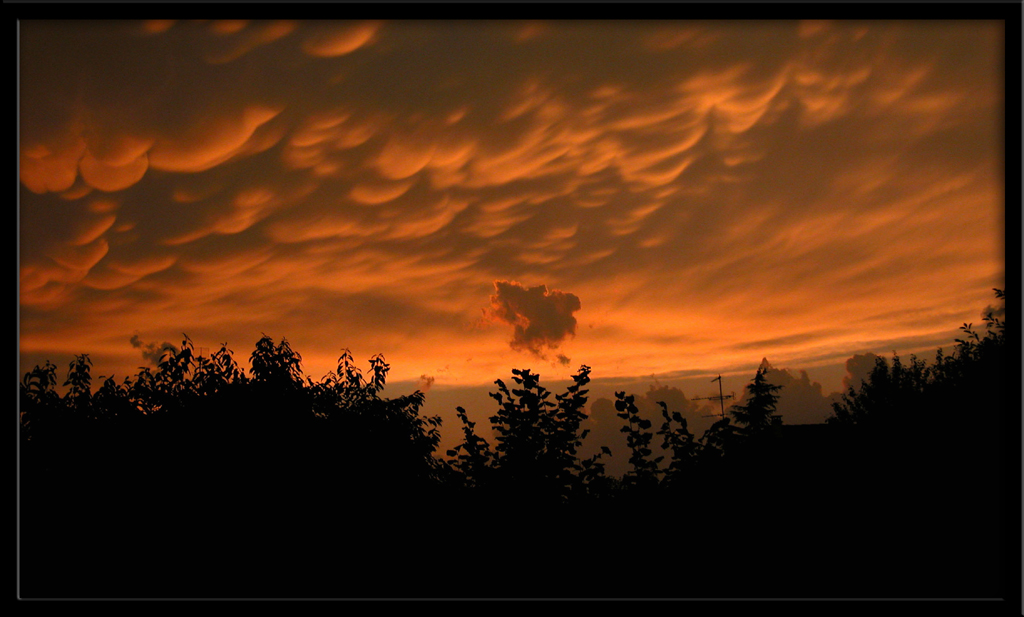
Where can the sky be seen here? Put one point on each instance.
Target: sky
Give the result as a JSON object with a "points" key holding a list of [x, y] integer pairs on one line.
{"points": [[663, 201]]}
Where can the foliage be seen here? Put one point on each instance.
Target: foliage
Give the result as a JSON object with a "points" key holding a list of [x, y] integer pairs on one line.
{"points": [[199, 455], [362, 421], [276, 365], [899, 396], [214, 395], [680, 442], [638, 438], [39, 399], [716, 441], [214, 374], [758, 412], [886, 394], [79, 380], [198, 447], [537, 439], [473, 458]]}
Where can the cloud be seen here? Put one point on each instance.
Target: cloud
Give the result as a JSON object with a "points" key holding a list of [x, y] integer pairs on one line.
{"points": [[542, 319], [858, 368], [425, 382], [239, 38], [378, 192], [330, 40], [997, 312], [676, 400], [710, 188], [210, 142], [801, 401], [113, 274], [606, 427], [152, 352], [107, 177], [44, 168]]}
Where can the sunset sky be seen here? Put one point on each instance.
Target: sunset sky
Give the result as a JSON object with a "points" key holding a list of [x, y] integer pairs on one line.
{"points": [[662, 201]]}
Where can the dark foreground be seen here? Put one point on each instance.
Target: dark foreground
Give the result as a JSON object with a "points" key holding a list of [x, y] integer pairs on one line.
{"points": [[789, 527]]}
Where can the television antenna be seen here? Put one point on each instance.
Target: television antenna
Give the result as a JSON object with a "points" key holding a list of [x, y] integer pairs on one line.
{"points": [[720, 398]]}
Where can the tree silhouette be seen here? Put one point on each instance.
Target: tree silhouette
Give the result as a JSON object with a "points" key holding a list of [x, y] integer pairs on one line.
{"points": [[638, 438], [535, 457], [919, 395], [271, 483], [758, 412], [681, 444]]}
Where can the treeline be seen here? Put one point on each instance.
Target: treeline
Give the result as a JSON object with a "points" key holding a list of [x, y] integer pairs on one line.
{"points": [[200, 479]]}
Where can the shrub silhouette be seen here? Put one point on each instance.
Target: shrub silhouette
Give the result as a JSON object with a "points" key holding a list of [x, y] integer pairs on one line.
{"points": [[928, 441], [535, 458], [921, 394], [638, 438], [681, 444], [271, 484], [199, 456]]}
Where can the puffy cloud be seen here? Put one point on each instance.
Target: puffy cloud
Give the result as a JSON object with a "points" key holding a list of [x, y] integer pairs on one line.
{"points": [[858, 368], [606, 427], [152, 352], [542, 319], [801, 401], [605, 430], [996, 312]]}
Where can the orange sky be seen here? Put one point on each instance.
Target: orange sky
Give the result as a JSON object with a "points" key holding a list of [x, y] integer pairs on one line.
{"points": [[666, 199]]}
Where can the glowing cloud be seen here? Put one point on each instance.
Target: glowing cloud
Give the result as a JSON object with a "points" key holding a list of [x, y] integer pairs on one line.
{"points": [[717, 191], [211, 142], [112, 177], [332, 40]]}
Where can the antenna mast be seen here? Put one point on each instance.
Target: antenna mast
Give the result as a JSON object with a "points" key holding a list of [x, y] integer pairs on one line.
{"points": [[721, 397]]}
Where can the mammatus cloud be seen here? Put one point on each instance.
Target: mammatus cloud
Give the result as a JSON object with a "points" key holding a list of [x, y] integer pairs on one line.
{"points": [[230, 177], [331, 40], [542, 319], [152, 352]]}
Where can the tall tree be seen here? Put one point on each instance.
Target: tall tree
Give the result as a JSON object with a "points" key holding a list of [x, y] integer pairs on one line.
{"points": [[758, 412]]}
